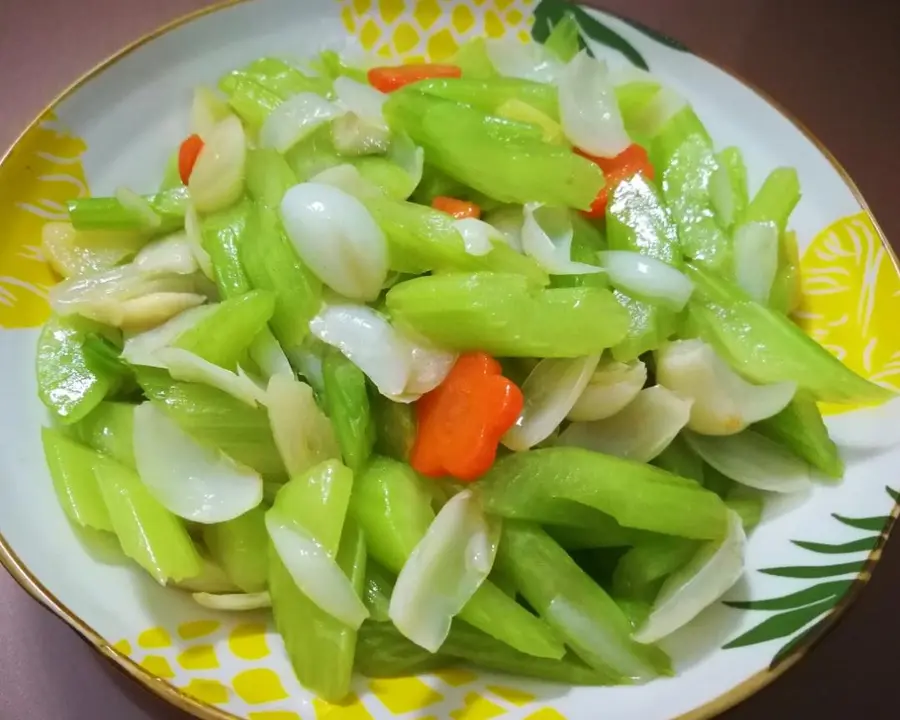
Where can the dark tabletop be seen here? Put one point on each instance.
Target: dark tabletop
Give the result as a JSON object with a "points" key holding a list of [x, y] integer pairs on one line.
{"points": [[835, 65]]}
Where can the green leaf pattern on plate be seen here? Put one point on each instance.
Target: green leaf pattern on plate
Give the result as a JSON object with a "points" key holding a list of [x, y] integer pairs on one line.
{"points": [[797, 610]]}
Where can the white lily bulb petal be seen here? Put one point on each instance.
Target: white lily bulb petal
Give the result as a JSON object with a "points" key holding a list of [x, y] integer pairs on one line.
{"points": [[868, 428], [640, 432], [724, 403], [444, 571], [363, 100], [405, 154], [217, 179], [147, 311], [194, 234], [706, 577], [550, 391], [76, 253], [588, 109], [188, 367], [294, 119], [528, 61], [612, 386], [428, 368], [647, 278], [171, 254], [658, 111], [141, 349], [234, 602], [547, 237], [314, 571], [196, 482], [337, 237], [478, 236], [756, 258], [353, 136], [303, 433], [750, 459], [268, 355], [369, 341], [138, 206], [347, 178], [208, 109]]}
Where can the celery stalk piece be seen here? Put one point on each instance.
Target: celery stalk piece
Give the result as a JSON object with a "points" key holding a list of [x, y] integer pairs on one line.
{"points": [[395, 427], [800, 428], [685, 185], [523, 485], [775, 200], [313, 154], [347, 406], [215, 418], [465, 143], [603, 532], [223, 234], [250, 100], [148, 533], [108, 429], [383, 652], [488, 95], [270, 260], [377, 594], [679, 128], [633, 98], [747, 503], [767, 347], [394, 511], [223, 336], [171, 175], [574, 605], [422, 239], [72, 472], [679, 459], [280, 78], [587, 241], [328, 64], [639, 571], [239, 547], [716, 482], [107, 213], [786, 293], [317, 501], [637, 220], [321, 649], [564, 40], [508, 316], [473, 60], [69, 383], [728, 187]]}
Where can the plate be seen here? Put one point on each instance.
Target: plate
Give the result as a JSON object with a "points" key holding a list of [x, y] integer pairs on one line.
{"points": [[806, 562]]}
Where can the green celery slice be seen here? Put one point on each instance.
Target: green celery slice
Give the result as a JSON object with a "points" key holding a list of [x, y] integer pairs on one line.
{"points": [[223, 234], [679, 459], [564, 40], [395, 427], [775, 200], [525, 485], [393, 509], [107, 213], [321, 649], [313, 154], [475, 149], [508, 316], [685, 186], [587, 241], [748, 503], [278, 77], [383, 652], [223, 336], [330, 65], [682, 126], [490, 94], [270, 260], [800, 428], [637, 220], [250, 100], [108, 429], [239, 547], [347, 406], [472, 58], [640, 570], [602, 532], [576, 607], [72, 472], [728, 187], [216, 419], [767, 347], [69, 384], [377, 595], [149, 534]]}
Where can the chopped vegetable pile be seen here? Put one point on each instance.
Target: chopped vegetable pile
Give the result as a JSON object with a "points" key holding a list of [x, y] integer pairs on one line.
{"points": [[488, 362]]}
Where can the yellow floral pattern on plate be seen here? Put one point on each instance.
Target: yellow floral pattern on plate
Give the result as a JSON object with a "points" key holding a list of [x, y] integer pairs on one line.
{"points": [[851, 300], [419, 30], [227, 663], [39, 175]]}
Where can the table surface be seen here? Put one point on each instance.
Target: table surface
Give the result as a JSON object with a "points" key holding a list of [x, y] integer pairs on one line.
{"points": [[831, 64]]}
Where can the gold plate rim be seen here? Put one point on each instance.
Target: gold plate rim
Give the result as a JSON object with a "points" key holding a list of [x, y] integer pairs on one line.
{"points": [[176, 696]]}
